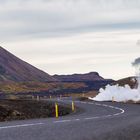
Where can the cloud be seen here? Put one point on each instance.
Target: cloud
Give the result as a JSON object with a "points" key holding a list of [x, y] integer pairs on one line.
{"points": [[67, 36], [45, 18], [109, 52]]}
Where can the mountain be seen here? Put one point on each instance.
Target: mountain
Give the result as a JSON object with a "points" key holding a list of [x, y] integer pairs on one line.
{"points": [[17, 76], [14, 69], [92, 76], [92, 80]]}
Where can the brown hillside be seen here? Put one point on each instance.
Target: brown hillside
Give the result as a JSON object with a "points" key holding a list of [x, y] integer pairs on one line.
{"points": [[15, 69], [131, 81]]}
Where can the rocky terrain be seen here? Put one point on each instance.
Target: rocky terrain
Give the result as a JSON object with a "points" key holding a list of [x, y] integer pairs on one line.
{"points": [[27, 109]]}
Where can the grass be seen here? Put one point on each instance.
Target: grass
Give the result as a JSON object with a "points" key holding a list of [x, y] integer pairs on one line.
{"points": [[32, 86], [78, 95]]}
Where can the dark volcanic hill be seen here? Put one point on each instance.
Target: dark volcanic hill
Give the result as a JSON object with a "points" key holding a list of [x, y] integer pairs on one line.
{"points": [[14, 69], [92, 80], [131, 81], [92, 76]]}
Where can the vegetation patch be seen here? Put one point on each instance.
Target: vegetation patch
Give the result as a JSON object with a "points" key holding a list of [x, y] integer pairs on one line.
{"points": [[32, 86], [83, 99]]}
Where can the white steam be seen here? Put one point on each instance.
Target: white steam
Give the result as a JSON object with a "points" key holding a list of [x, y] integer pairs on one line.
{"points": [[118, 93], [121, 94], [136, 64]]}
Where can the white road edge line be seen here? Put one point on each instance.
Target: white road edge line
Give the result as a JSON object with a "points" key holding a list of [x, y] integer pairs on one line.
{"points": [[61, 121], [90, 118], [96, 117], [77, 120], [22, 125], [104, 105]]}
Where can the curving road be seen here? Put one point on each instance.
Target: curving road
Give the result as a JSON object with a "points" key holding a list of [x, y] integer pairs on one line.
{"points": [[96, 121]]}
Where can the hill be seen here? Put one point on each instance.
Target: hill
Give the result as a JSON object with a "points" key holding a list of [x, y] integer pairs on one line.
{"points": [[17, 76], [14, 69], [92, 80], [131, 81], [91, 76]]}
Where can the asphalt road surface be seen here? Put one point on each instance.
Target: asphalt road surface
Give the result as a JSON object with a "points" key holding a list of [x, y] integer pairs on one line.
{"points": [[95, 121]]}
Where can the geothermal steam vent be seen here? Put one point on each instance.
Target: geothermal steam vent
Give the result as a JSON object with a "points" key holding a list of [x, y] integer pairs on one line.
{"points": [[121, 93]]}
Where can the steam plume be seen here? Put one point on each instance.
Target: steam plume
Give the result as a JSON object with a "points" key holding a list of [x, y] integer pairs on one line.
{"points": [[136, 62]]}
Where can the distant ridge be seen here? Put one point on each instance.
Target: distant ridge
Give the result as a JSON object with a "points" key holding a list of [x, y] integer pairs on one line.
{"points": [[14, 69], [91, 76]]}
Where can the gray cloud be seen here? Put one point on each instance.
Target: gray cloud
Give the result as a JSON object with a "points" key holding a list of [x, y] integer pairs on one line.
{"points": [[136, 62], [45, 18]]}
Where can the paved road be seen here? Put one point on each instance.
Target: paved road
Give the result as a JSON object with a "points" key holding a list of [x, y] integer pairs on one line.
{"points": [[96, 121]]}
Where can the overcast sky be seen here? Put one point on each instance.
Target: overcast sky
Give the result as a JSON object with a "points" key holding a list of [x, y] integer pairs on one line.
{"points": [[73, 36]]}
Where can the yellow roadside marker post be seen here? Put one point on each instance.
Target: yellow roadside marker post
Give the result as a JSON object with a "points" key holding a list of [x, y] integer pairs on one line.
{"points": [[113, 99], [73, 106], [37, 98], [32, 97], [56, 110], [50, 96]]}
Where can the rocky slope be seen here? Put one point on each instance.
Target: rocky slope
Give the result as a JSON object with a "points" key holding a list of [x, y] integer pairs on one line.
{"points": [[15, 69]]}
